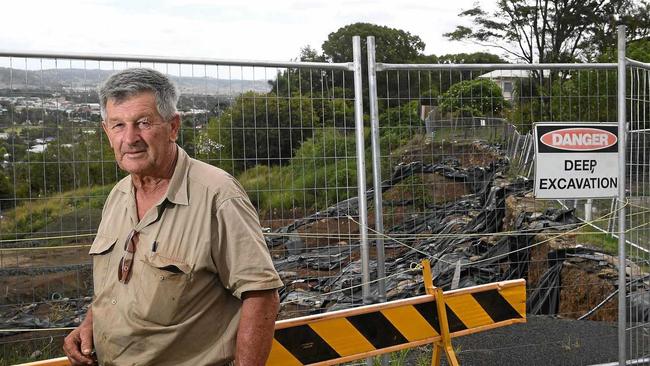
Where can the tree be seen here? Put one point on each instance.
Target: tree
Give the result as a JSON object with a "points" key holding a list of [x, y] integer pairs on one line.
{"points": [[393, 45], [63, 166], [6, 192], [308, 54], [297, 82], [548, 31], [480, 97], [463, 58], [637, 49], [257, 129], [635, 14]]}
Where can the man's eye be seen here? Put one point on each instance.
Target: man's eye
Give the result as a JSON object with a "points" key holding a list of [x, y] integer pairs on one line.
{"points": [[118, 126], [144, 125]]}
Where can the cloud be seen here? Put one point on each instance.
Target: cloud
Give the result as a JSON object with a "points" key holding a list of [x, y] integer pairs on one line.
{"points": [[225, 29]]}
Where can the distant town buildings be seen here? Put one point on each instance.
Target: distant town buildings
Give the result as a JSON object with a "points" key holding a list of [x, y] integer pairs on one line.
{"points": [[193, 112], [20, 113], [76, 112], [55, 103]]}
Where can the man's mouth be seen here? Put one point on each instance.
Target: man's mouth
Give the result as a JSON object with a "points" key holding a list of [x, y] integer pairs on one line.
{"points": [[133, 152]]}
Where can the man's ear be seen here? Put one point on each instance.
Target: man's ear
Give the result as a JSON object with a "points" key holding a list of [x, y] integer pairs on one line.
{"points": [[176, 126], [105, 128]]}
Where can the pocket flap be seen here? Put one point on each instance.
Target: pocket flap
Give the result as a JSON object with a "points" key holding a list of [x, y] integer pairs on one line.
{"points": [[167, 264], [102, 244]]}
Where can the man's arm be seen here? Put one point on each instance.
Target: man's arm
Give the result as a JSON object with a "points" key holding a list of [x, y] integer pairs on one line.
{"points": [[78, 345], [256, 327]]}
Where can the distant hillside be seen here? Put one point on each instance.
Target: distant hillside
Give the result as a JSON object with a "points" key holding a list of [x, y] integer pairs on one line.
{"points": [[82, 79]]}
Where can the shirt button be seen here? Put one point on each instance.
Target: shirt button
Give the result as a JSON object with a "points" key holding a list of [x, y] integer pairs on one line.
{"points": [[113, 301], [162, 277]]}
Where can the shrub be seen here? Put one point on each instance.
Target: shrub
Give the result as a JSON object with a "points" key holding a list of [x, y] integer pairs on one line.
{"points": [[479, 97]]}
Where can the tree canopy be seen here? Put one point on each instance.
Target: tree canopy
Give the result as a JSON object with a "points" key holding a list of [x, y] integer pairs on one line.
{"points": [[463, 58], [393, 45], [548, 31]]}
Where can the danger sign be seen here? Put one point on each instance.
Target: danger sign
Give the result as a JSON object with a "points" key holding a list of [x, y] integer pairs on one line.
{"points": [[576, 161]]}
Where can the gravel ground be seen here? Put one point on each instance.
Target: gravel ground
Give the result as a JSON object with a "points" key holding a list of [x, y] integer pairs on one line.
{"points": [[541, 341]]}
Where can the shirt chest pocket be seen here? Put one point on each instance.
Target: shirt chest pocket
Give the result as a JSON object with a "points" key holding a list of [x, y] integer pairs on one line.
{"points": [[101, 251], [161, 286]]}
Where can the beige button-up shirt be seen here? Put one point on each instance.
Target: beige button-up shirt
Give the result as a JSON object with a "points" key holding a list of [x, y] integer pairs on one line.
{"points": [[198, 250]]}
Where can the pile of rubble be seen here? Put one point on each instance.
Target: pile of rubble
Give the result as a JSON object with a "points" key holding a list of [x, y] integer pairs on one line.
{"points": [[496, 232], [58, 313]]}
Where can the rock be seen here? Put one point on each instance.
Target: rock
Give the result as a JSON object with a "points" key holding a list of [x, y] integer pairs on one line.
{"points": [[609, 273], [287, 275]]}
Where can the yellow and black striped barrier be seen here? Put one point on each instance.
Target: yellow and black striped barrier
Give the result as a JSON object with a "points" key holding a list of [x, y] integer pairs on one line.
{"points": [[348, 335]]}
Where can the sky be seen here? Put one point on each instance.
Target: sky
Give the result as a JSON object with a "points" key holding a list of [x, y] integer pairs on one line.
{"points": [[219, 29]]}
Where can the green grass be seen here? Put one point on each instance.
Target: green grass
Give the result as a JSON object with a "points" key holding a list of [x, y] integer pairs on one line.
{"points": [[413, 188], [417, 356], [297, 185], [489, 134], [321, 173], [35, 349], [592, 237], [35, 215]]}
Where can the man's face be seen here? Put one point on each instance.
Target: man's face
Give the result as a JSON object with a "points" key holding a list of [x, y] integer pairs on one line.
{"points": [[142, 141]]}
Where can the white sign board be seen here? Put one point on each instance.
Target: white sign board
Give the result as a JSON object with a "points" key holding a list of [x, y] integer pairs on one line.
{"points": [[576, 160]]}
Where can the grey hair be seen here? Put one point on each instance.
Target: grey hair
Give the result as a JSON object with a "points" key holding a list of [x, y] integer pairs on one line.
{"points": [[127, 83]]}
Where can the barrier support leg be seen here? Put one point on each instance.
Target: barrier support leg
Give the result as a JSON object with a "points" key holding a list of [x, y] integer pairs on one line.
{"points": [[444, 345]]}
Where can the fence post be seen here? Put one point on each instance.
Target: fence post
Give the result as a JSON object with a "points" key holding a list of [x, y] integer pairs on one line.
{"points": [[622, 136], [588, 209], [515, 146], [611, 222], [376, 167], [361, 170]]}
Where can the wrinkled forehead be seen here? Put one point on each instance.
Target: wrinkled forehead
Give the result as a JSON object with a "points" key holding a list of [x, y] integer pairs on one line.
{"points": [[120, 96], [132, 107]]}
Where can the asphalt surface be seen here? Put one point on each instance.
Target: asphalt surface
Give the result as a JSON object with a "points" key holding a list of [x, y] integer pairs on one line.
{"points": [[541, 341]]}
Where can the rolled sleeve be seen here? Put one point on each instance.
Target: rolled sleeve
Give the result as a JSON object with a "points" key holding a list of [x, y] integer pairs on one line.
{"points": [[241, 256]]}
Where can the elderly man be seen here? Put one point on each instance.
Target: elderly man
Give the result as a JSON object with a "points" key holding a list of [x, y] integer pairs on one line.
{"points": [[181, 272]]}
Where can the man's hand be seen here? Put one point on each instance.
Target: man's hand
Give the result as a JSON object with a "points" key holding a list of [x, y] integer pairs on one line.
{"points": [[256, 327], [78, 345]]}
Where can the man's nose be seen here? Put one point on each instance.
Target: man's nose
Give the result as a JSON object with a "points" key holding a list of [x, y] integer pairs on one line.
{"points": [[132, 134]]}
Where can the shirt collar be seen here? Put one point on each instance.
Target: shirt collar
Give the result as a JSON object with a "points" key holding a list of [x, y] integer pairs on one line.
{"points": [[177, 189]]}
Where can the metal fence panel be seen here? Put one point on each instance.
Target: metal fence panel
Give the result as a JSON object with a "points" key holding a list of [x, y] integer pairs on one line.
{"points": [[456, 158], [285, 130], [637, 234]]}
